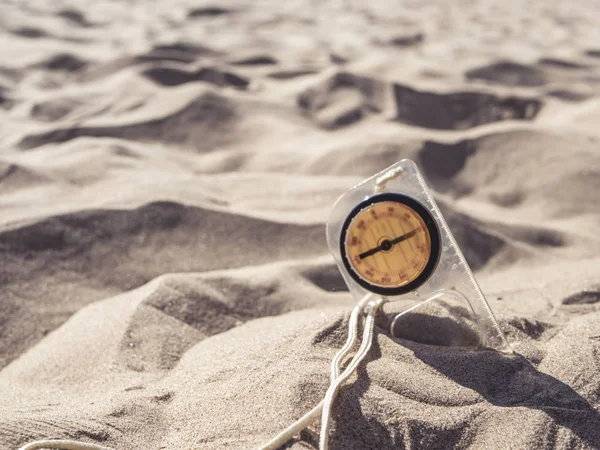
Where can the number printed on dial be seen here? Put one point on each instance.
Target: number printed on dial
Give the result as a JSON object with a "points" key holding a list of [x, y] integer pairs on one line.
{"points": [[388, 244]]}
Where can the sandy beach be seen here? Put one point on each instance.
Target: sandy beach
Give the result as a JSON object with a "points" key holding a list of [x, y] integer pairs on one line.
{"points": [[167, 170]]}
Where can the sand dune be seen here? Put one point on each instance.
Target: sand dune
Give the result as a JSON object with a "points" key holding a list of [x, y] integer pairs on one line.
{"points": [[166, 174]]}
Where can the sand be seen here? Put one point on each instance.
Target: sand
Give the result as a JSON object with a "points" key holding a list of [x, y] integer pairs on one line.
{"points": [[166, 174]]}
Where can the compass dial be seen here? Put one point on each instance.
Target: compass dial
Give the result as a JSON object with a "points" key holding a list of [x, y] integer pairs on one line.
{"points": [[390, 244]]}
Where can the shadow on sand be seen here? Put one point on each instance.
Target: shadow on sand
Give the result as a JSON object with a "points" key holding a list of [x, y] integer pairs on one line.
{"points": [[508, 380]]}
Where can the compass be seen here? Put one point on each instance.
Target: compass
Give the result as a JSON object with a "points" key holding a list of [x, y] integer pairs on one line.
{"points": [[390, 244]]}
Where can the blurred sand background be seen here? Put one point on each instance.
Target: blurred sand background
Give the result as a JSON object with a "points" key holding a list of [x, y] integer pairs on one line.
{"points": [[166, 173]]}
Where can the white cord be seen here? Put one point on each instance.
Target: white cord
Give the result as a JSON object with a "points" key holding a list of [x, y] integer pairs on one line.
{"points": [[336, 362], [384, 179], [365, 346], [324, 406], [314, 413], [62, 445]]}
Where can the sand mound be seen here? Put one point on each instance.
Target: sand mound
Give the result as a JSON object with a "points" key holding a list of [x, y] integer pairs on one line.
{"points": [[74, 17], [174, 76], [510, 73], [30, 32], [208, 111], [593, 53], [208, 11], [168, 236], [177, 51], [342, 100], [460, 110], [14, 177], [489, 162], [54, 110], [63, 62], [542, 72], [256, 60]]}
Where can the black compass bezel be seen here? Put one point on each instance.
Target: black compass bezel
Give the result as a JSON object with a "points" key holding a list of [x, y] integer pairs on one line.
{"points": [[434, 233]]}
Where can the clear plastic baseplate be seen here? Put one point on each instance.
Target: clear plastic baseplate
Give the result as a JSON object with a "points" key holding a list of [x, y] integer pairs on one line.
{"points": [[452, 279]]}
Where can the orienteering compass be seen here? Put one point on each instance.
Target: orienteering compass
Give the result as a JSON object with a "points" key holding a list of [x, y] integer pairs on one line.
{"points": [[390, 244], [390, 240]]}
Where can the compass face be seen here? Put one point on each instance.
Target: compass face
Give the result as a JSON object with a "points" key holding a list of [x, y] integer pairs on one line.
{"points": [[390, 244]]}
